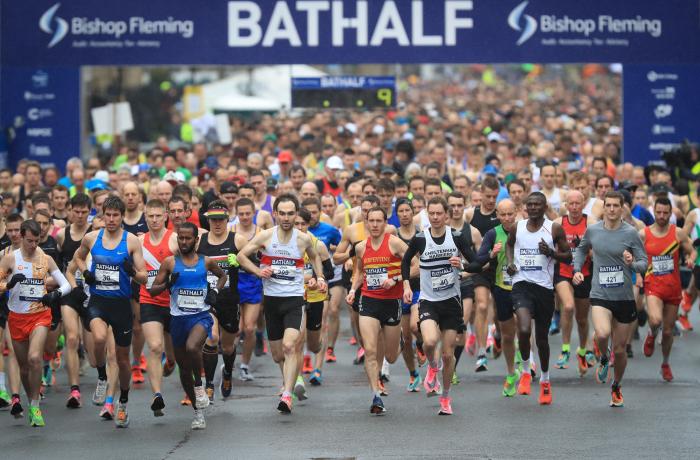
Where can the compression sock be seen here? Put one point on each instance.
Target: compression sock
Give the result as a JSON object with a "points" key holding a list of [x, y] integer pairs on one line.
{"points": [[210, 358]]}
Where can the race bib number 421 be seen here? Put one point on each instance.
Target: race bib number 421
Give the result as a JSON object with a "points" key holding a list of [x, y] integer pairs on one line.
{"points": [[611, 276]]}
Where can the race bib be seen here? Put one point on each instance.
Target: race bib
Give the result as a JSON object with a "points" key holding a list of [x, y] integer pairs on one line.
{"points": [[662, 265], [442, 279], [151, 278], [507, 279], [531, 260], [375, 277], [107, 277], [610, 276], [308, 271], [31, 290], [190, 300]]}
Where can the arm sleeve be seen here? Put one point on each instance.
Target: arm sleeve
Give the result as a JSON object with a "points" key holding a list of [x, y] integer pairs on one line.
{"points": [[464, 245], [487, 243], [63, 284], [582, 250], [415, 246], [327, 269]]}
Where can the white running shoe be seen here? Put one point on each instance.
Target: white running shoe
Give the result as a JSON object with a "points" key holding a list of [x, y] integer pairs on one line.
{"points": [[202, 400], [198, 423], [100, 394]]}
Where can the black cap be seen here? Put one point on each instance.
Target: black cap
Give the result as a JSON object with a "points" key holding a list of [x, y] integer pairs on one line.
{"points": [[523, 152], [229, 187], [271, 183], [627, 196]]}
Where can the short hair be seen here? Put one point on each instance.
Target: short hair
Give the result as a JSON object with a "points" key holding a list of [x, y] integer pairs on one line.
{"points": [[114, 202], [420, 198], [416, 178], [30, 226], [457, 195], [352, 180], [297, 168], [664, 201], [286, 197], [40, 197], [244, 202], [402, 201], [516, 182], [80, 200], [432, 181], [14, 217], [386, 185], [191, 226], [311, 202], [179, 199], [599, 178], [603, 159], [43, 212], [255, 172], [433, 165], [33, 164], [577, 176], [372, 199], [614, 194], [538, 195], [305, 215], [490, 183], [155, 203], [183, 190], [246, 187], [377, 209], [439, 200], [59, 188]]}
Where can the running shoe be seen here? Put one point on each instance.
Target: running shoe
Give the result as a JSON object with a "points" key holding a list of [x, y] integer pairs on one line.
{"points": [[629, 351], [330, 355], [455, 378], [601, 373], [524, 384], [352, 340], [596, 349], [121, 420], [143, 364], [384, 375], [168, 368], [686, 302], [666, 373], [16, 409], [201, 397], [157, 405], [582, 364], [554, 327], [481, 364], [563, 361], [545, 393], [519, 362], [649, 345], [422, 359], [185, 401], [285, 405], [300, 389], [107, 411], [137, 375], [210, 394], [35, 417], [226, 382], [47, 379], [382, 389], [98, 398], [616, 397], [4, 400], [259, 345], [377, 407], [360, 356], [445, 405], [509, 389], [414, 382], [57, 360], [497, 348], [685, 323], [316, 378], [431, 382], [489, 343], [471, 344], [74, 400], [245, 374], [590, 358], [198, 423], [307, 367]]}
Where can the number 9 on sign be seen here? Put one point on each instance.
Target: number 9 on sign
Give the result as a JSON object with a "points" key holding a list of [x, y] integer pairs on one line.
{"points": [[385, 95]]}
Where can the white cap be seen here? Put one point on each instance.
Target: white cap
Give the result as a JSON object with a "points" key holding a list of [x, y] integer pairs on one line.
{"points": [[494, 137], [102, 175], [334, 162], [174, 176], [614, 131], [352, 127], [378, 129]]}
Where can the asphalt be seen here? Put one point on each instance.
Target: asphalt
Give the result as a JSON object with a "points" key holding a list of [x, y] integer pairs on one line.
{"points": [[659, 419]]}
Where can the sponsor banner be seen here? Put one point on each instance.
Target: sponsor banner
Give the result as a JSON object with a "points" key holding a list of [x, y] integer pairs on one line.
{"points": [[247, 32], [660, 107], [41, 114]]}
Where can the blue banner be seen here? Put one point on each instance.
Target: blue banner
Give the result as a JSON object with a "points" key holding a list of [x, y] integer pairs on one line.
{"points": [[134, 32], [343, 82], [41, 114], [660, 109]]}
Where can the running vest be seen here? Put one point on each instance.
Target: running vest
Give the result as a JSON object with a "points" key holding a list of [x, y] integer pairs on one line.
{"points": [[503, 279], [379, 265], [424, 220], [139, 227], [588, 210], [555, 200], [663, 255], [312, 295], [574, 234], [69, 247], [25, 296], [218, 253], [438, 279], [154, 255], [413, 282], [287, 263], [50, 248], [482, 222], [267, 205], [188, 293], [328, 188], [532, 266], [108, 267]]}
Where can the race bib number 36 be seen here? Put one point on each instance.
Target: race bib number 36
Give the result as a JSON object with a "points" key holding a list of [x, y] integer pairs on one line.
{"points": [[107, 277], [611, 276]]}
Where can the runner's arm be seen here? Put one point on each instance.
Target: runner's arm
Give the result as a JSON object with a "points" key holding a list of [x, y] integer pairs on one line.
{"points": [[687, 245], [5, 271], [160, 283], [253, 246], [415, 247], [213, 267], [359, 267], [315, 259], [487, 243], [561, 251], [82, 252], [639, 253], [342, 252], [58, 277], [136, 250], [581, 251]]}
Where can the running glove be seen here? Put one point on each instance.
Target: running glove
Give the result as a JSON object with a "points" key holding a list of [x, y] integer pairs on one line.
{"points": [[233, 260], [210, 299], [172, 279], [129, 268], [51, 298], [89, 278], [16, 278], [80, 295]]}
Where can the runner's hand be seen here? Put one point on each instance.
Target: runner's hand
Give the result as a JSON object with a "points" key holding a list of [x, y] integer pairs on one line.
{"points": [[496, 249], [628, 257], [210, 299], [172, 279], [266, 272], [407, 295], [544, 248], [511, 269], [350, 298], [455, 261], [89, 278], [311, 283], [233, 260], [388, 283], [577, 279], [322, 285], [16, 278], [80, 295], [129, 268], [51, 298]]}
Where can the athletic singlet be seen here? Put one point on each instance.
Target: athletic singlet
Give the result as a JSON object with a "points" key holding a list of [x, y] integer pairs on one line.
{"points": [[69, 247], [555, 200], [218, 253], [154, 255], [413, 282], [663, 253], [380, 264], [188, 293], [588, 210], [287, 263], [574, 233], [439, 280], [532, 266], [503, 280], [50, 248], [267, 205], [312, 295], [138, 228], [483, 222], [360, 236], [108, 267], [25, 296], [424, 221], [235, 221]]}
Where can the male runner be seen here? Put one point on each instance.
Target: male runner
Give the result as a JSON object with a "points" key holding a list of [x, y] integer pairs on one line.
{"points": [[662, 283], [379, 266], [617, 252], [157, 244], [440, 309], [191, 295], [30, 315], [116, 258], [282, 271], [532, 249]]}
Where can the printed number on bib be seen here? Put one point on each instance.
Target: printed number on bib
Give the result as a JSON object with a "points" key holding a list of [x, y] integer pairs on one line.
{"points": [[507, 279], [107, 277], [151, 278], [376, 277], [662, 265], [442, 279], [611, 276], [531, 260], [31, 290], [190, 300]]}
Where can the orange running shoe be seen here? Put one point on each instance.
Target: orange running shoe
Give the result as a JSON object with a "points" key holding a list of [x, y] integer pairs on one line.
{"points": [[142, 364], [382, 388], [421, 357], [186, 401], [330, 355], [137, 375], [649, 345], [545, 393], [685, 323], [686, 302], [582, 364], [616, 397], [666, 373], [352, 340], [524, 385], [307, 368]]}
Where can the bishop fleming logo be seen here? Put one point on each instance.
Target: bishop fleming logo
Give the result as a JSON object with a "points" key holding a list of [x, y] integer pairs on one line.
{"points": [[52, 24], [516, 17]]}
